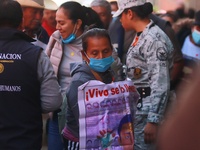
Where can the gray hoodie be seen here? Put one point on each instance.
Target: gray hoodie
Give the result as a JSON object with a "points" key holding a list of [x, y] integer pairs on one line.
{"points": [[80, 73]]}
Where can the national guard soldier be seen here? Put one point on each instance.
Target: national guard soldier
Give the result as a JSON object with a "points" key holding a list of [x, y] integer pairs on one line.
{"points": [[148, 61]]}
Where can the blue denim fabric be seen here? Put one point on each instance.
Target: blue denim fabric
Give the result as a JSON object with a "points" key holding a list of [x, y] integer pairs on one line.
{"points": [[54, 138]]}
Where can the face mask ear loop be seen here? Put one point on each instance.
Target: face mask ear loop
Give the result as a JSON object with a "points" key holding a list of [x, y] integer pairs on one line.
{"points": [[74, 30], [85, 56]]}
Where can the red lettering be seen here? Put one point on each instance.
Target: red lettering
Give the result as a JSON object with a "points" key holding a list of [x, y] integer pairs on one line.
{"points": [[91, 93], [113, 91], [121, 89], [100, 93], [105, 92], [96, 92], [86, 97], [129, 88], [117, 90], [126, 86], [132, 88]]}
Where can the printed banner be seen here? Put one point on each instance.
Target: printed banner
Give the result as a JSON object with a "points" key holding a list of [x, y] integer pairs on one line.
{"points": [[106, 115]]}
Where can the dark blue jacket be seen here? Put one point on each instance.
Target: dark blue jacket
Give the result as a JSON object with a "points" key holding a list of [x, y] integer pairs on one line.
{"points": [[20, 108]]}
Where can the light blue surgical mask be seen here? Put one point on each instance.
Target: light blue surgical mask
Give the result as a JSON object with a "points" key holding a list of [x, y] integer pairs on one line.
{"points": [[101, 65], [196, 37], [71, 37]]}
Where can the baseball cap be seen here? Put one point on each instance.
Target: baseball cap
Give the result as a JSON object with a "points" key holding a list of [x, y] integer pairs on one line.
{"points": [[197, 18], [123, 4]]}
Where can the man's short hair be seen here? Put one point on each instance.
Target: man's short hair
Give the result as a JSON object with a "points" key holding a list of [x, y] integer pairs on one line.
{"points": [[102, 3], [10, 14]]}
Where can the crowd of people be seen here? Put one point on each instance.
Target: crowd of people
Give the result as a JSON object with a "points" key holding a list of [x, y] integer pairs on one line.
{"points": [[47, 52]]}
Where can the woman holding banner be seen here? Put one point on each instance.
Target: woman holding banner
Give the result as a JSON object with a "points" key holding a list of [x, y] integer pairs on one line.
{"points": [[97, 53]]}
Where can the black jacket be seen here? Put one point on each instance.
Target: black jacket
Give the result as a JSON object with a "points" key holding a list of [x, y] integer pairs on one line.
{"points": [[20, 109]]}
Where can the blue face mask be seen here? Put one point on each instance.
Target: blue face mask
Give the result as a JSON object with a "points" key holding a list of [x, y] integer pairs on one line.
{"points": [[196, 37], [71, 37], [101, 65]]}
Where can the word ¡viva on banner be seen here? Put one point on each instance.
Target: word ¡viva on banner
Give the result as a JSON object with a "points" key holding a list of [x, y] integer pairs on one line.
{"points": [[95, 92]]}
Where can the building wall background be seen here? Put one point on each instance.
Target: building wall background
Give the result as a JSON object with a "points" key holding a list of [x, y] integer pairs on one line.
{"points": [[172, 4], [159, 4]]}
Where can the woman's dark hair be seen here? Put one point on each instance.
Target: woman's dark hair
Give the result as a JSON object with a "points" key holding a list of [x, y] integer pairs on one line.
{"points": [[126, 119], [10, 14], [95, 32], [142, 11], [76, 11], [92, 18]]}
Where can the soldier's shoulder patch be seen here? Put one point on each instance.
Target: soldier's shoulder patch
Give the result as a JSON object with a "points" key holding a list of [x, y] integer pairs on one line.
{"points": [[161, 54], [137, 73]]}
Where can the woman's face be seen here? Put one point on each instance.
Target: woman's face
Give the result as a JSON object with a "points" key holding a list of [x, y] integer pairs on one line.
{"points": [[125, 21], [64, 24], [98, 47]]}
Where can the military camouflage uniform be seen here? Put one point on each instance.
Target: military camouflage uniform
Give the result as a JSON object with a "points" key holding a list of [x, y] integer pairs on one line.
{"points": [[148, 63]]}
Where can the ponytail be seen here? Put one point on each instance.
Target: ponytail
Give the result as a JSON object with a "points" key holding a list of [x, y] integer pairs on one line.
{"points": [[147, 8], [142, 11], [75, 11]]}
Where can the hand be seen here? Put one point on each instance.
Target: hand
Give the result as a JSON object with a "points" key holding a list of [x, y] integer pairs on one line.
{"points": [[104, 133], [150, 132], [106, 137]]}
